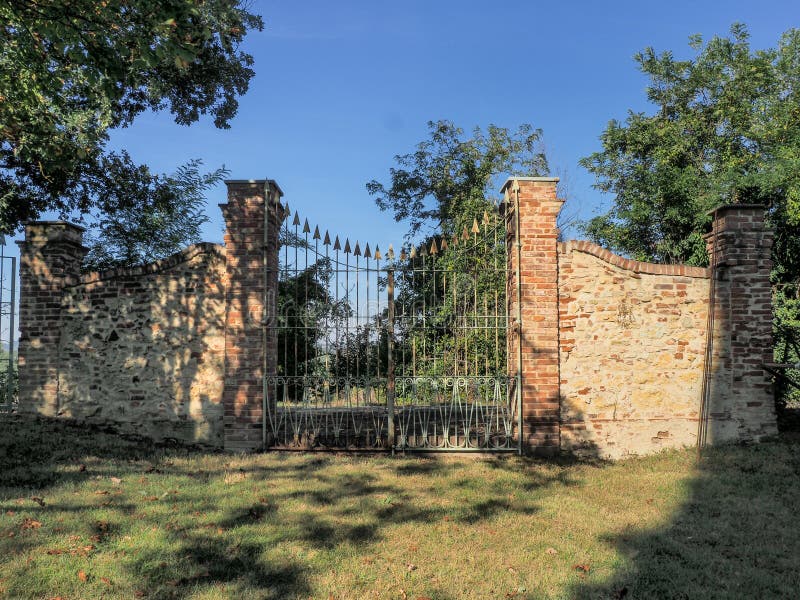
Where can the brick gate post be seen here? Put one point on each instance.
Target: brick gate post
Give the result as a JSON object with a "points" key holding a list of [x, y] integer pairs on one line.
{"points": [[740, 399], [50, 259], [533, 201], [252, 216]]}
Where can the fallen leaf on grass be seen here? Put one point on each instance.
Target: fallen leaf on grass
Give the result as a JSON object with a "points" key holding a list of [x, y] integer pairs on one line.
{"points": [[105, 580], [552, 551], [82, 576], [138, 594], [582, 567], [115, 480], [29, 523], [82, 468], [621, 593], [38, 500], [423, 598], [101, 493], [411, 567]]}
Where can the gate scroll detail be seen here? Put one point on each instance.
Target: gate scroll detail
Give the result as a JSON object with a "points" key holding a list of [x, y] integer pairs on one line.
{"points": [[392, 350]]}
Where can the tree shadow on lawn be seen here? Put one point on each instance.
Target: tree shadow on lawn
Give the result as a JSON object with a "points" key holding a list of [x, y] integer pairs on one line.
{"points": [[735, 537]]}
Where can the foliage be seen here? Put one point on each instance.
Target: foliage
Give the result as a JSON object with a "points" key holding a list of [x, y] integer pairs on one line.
{"points": [[448, 178], [71, 70], [166, 215], [444, 190], [306, 313], [726, 130]]}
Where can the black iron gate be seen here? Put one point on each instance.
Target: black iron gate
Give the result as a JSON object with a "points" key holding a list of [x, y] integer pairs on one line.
{"points": [[384, 349]]}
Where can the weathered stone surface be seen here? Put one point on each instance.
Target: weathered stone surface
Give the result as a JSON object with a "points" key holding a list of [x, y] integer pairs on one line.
{"points": [[632, 348]]}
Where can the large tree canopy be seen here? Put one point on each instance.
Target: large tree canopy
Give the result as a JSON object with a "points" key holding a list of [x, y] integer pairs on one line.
{"points": [[726, 129], [449, 177], [71, 70]]}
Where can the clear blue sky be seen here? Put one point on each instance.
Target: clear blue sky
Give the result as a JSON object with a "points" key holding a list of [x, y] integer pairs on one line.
{"points": [[342, 87]]}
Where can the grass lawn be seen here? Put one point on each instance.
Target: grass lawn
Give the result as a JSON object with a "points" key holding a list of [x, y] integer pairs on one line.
{"points": [[91, 515]]}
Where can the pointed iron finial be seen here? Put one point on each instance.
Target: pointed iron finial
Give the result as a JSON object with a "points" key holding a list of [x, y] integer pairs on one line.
{"points": [[286, 210], [465, 234], [347, 249], [413, 252], [306, 228], [296, 219], [423, 250], [434, 248], [444, 245], [336, 245], [327, 240], [485, 218], [367, 253], [475, 228], [455, 240], [377, 252], [357, 250], [390, 253], [316, 233], [403, 255]]}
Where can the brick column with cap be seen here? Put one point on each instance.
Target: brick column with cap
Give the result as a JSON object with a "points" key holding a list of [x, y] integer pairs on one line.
{"points": [[536, 261], [252, 219], [50, 259], [740, 397]]}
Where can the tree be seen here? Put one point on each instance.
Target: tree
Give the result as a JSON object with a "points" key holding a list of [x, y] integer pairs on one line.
{"points": [[449, 178], [166, 216], [726, 129], [443, 190], [72, 70]]}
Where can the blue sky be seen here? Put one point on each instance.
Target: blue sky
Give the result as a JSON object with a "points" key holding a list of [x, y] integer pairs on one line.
{"points": [[342, 87]]}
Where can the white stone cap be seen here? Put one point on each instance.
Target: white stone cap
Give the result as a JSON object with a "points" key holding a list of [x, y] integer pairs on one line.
{"points": [[510, 180]]}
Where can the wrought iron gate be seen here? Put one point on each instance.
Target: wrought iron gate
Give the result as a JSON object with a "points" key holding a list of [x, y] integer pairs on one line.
{"points": [[8, 329], [384, 349]]}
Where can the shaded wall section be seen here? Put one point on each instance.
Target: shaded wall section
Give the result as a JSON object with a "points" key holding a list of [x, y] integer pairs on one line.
{"points": [[140, 349]]}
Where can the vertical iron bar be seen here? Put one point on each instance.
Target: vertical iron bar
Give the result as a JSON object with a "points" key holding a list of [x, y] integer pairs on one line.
{"points": [[264, 318], [390, 383], [11, 373]]}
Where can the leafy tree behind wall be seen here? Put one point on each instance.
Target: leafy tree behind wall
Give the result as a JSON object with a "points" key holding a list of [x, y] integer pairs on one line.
{"points": [[726, 129], [72, 70], [443, 190]]}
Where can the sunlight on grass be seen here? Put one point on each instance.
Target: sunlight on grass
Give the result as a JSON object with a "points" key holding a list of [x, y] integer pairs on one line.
{"points": [[91, 516]]}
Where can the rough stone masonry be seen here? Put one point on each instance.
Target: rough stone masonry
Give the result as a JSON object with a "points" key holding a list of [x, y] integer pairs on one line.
{"points": [[615, 353]]}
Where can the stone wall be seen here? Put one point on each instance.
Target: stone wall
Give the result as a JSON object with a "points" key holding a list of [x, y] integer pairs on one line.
{"points": [[143, 348], [632, 346]]}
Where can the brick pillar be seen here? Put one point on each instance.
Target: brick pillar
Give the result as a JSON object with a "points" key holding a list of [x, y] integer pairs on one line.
{"points": [[50, 259], [253, 208], [537, 209], [741, 403]]}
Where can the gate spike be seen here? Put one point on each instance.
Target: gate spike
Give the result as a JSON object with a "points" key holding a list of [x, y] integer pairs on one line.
{"points": [[316, 233], [306, 228], [390, 253], [465, 233], [296, 219], [286, 210], [377, 252], [444, 245], [357, 250], [336, 245], [475, 228], [367, 253], [485, 218], [403, 255], [347, 249], [413, 252], [327, 240], [423, 250], [455, 240], [434, 248]]}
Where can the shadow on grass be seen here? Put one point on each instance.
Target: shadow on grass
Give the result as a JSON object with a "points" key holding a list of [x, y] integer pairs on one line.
{"points": [[736, 536]]}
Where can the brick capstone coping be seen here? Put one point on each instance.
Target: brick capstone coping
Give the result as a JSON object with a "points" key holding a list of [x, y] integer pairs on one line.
{"points": [[632, 265], [158, 266]]}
